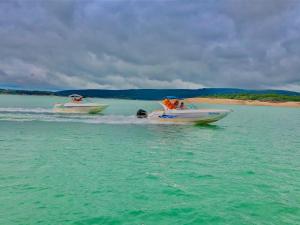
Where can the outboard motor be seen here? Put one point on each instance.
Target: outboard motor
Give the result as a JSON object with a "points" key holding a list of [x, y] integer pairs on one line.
{"points": [[141, 114]]}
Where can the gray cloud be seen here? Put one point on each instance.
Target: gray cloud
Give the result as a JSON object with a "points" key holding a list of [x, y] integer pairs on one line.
{"points": [[150, 44]]}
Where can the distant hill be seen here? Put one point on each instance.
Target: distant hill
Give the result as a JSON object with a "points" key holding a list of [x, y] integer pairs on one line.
{"points": [[156, 94], [150, 94], [25, 92]]}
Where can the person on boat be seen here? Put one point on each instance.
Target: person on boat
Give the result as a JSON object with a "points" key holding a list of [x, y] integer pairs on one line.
{"points": [[182, 106], [77, 99], [176, 104], [168, 104]]}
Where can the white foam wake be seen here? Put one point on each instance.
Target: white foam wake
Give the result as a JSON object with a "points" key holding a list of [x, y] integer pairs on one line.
{"points": [[25, 110], [47, 115]]}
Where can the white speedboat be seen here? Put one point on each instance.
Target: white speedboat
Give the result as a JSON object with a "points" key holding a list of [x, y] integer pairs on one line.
{"points": [[174, 110], [77, 105]]}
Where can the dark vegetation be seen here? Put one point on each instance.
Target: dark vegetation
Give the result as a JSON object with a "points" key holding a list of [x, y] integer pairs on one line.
{"points": [[272, 97], [25, 92], [157, 94]]}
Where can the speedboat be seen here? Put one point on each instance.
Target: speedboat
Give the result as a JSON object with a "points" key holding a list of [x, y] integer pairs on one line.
{"points": [[175, 110], [77, 105]]}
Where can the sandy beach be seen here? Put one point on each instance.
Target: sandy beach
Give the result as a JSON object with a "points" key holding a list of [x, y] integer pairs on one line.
{"points": [[242, 102]]}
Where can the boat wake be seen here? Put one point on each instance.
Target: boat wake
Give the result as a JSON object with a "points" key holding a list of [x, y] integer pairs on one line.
{"points": [[25, 110], [47, 115]]}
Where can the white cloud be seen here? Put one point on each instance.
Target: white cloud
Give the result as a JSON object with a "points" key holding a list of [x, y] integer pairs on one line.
{"points": [[119, 82], [131, 44]]}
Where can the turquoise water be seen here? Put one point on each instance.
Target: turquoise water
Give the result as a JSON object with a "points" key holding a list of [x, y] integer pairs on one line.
{"points": [[115, 169]]}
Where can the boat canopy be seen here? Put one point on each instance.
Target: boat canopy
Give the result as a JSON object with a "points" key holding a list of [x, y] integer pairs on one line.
{"points": [[172, 98], [75, 96]]}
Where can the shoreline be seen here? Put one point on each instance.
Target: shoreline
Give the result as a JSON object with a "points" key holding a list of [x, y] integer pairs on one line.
{"points": [[224, 101], [206, 100]]}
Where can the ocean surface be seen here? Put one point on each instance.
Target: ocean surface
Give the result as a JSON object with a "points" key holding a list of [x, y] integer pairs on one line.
{"points": [[116, 169]]}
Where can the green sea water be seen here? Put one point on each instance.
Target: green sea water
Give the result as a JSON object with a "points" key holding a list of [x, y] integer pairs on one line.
{"points": [[116, 169]]}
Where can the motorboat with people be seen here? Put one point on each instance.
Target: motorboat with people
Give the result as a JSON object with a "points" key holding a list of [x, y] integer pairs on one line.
{"points": [[176, 110], [78, 105]]}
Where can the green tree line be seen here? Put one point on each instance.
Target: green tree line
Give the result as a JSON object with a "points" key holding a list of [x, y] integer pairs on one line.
{"points": [[260, 97]]}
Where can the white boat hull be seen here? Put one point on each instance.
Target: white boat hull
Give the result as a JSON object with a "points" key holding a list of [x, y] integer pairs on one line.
{"points": [[86, 108], [197, 116]]}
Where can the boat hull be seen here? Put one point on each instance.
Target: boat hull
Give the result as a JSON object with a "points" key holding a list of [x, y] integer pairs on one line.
{"points": [[189, 116], [82, 108]]}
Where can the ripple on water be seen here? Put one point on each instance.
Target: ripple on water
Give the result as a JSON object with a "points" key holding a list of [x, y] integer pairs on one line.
{"points": [[174, 190], [98, 220]]}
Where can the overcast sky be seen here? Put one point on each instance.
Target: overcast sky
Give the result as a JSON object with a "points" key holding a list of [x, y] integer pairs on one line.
{"points": [[150, 44]]}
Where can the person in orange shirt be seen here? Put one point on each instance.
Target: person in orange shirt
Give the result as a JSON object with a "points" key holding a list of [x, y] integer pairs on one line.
{"points": [[168, 103], [176, 104]]}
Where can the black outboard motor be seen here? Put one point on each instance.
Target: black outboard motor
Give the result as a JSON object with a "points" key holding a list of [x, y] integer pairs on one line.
{"points": [[141, 114]]}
